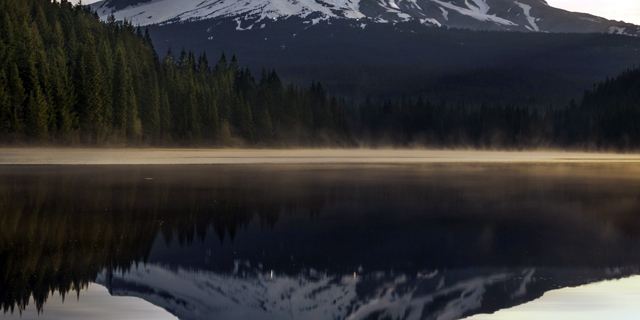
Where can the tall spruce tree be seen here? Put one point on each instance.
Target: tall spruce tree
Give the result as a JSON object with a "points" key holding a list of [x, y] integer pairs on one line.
{"points": [[17, 101], [37, 117], [166, 121], [122, 94], [5, 106], [65, 99], [90, 103]]}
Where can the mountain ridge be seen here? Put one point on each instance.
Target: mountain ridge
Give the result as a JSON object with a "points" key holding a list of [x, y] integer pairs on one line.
{"points": [[502, 15]]}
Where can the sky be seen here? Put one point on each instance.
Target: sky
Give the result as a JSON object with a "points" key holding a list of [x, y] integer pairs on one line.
{"points": [[625, 10], [616, 299]]}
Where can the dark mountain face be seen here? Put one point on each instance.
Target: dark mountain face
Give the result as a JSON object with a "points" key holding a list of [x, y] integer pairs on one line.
{"points": [[408, 59]]}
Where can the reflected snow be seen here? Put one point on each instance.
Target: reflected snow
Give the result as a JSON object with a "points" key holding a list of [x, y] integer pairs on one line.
{"points": [[430, 240]]}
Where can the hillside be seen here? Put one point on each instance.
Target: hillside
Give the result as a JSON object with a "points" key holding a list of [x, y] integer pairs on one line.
{"points": [[68, 78], [525, 52]]}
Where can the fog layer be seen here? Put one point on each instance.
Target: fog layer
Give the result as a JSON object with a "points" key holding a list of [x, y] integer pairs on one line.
{"points": [[44, 156]]}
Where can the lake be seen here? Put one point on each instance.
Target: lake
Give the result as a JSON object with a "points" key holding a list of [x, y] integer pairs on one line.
{"points": [[388, 240]]}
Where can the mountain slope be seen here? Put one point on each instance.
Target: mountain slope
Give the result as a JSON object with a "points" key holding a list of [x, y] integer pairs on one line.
{"points": [[407, 59], [506, 15], [393, 49]]}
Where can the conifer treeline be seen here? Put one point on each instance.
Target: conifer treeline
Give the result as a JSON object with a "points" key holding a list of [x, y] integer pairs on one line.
{"points": [[47, 245], [66, 77], [608, 119]]}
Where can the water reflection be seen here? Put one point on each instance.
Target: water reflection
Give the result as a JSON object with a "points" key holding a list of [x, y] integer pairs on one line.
{"points": [[96, 303], [253, 294], [404, 241], [617, 299]]}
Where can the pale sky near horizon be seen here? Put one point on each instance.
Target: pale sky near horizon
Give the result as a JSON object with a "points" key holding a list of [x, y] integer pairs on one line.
{"points": [[625, 10]]}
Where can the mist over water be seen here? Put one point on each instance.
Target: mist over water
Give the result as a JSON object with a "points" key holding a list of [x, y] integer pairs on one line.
{"points": [[131, 156], [424, 240]]}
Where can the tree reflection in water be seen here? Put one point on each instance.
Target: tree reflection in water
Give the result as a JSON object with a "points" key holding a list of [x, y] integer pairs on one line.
{"points": [[62, 227]]}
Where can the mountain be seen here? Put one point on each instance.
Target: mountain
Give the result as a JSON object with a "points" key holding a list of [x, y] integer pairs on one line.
{"points": [[508, 15], [386, 49]]}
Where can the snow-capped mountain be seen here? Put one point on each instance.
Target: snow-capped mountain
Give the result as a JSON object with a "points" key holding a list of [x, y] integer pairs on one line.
{"points": [[263, 294], [522, 15], [394, 48]]}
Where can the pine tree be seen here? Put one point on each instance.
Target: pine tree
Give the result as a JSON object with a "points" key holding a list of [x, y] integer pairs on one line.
{"points": [[105, 88], [111, 23], [121, 95], [166, 120], [203, 65], [193, 118], [18, 98], [47, 77], [6, 40], [149, 43], [264, 127], [65, 99], [221, 66], [37, 119], [245, 122], [90, 83], [125, 109], [24, 53], [151, 114], [5, 106], [211, 120]]}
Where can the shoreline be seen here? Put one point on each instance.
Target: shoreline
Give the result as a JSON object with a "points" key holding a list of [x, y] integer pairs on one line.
{"points": [[126, 156]]}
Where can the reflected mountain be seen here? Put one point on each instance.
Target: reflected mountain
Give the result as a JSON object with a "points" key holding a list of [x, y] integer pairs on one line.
{"points": [[317, 241], [260, 294]]}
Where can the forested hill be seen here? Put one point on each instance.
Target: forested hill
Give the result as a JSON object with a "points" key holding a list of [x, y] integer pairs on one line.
{"points": [[68, 78]]}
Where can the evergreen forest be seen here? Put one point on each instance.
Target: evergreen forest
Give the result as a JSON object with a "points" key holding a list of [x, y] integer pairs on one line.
{"points": [[67, 78]]}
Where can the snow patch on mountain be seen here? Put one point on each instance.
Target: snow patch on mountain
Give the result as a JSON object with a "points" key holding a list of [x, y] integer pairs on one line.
{"points": [[445, 13], [393, 4], [527, 12], [481, 5], [478, 11], [407, 304], [167, 10], [431, 21], [616, 30]]}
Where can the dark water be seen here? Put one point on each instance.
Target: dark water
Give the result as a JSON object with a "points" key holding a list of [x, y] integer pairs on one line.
{"points": [[429, 241]]}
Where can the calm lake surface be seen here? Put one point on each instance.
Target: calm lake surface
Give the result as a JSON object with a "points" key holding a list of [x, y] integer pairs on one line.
{"points": [[312, 241]]}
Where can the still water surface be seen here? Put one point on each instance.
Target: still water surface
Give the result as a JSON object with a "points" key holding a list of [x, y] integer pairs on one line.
{"points": [[401, 241]]}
